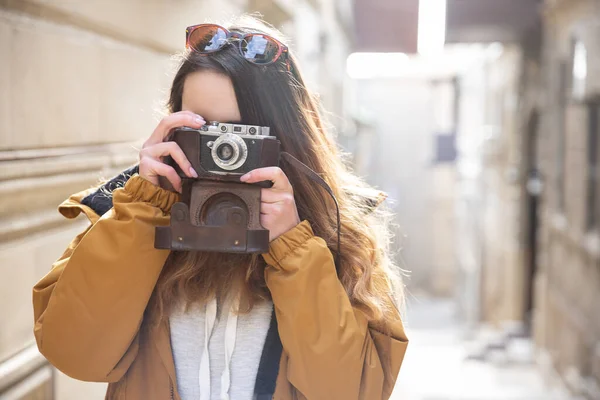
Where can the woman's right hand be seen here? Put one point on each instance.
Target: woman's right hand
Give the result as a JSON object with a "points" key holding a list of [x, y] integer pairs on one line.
{"points": [[151, 163]]}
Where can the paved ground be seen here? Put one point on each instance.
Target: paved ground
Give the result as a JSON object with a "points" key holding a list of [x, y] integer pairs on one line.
{"points": [[436, 368]]}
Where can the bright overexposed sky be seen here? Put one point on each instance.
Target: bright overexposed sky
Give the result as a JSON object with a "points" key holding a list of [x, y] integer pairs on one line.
{"points": [[432, 26]]}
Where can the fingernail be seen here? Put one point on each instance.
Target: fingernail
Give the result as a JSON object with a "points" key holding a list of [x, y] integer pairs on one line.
{"points": [[245, 177], [193, 172], [200, 120]]}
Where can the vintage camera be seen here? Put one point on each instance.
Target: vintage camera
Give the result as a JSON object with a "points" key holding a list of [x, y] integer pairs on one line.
{"points": [[220, 151], [217, 212]]}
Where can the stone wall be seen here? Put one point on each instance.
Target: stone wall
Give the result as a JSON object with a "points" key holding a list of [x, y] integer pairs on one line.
{"points": [[567, 323], [498, 201], [537, 102]]}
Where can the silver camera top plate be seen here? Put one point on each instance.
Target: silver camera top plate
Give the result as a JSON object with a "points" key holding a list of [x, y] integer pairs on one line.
{"points": [[219, 128]]}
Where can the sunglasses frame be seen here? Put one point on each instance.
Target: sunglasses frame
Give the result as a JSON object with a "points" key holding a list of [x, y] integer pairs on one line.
{"points": [[281, 48]]}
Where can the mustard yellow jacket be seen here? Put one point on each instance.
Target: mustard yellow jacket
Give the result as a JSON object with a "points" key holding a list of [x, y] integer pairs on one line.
{"points": [[92, 319]]}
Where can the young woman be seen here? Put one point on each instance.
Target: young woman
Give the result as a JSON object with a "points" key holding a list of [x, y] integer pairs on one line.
{"points": [[287, 324]]}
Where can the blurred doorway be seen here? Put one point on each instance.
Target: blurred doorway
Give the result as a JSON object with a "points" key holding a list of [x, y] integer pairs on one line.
{"points": [[533, 188]]}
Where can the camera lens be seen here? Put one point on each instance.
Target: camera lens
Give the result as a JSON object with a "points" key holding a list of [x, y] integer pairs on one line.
{"points": [[229, 151], [225, 152], [252, 130]]}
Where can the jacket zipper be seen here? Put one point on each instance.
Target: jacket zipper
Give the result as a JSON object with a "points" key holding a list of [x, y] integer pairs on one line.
{"points": [[171, 389]]}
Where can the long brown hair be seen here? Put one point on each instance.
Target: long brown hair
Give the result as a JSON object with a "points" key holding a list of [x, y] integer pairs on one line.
{"points": [[275, 97]]}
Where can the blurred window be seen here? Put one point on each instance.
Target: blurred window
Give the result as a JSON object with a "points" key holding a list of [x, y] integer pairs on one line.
{"points": [[445, 151]]}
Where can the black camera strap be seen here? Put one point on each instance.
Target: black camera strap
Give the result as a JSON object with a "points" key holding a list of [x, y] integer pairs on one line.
{"points": [[313, 176]]}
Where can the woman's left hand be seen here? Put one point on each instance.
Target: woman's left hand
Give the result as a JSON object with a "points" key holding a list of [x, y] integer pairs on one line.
{"points": [[278, 212]]}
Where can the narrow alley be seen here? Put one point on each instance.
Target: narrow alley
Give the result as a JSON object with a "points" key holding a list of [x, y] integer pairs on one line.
{"points": [[437, 364]]}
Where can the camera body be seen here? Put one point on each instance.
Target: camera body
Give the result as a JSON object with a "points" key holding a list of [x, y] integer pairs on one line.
{"points": [[221, 151], [217, 212]]}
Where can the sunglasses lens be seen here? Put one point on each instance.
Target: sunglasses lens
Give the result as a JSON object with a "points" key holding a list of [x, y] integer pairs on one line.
{"points": [[259, 49], [206, 39]]}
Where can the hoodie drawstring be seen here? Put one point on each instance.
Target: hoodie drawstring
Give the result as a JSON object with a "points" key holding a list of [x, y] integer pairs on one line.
{"points": [[230, 337]]}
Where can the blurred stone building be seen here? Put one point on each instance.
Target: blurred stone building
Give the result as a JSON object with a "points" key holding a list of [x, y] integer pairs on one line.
{"points": [[81, 83], [395, 151], [529, 172], [566, 150], [402, 107]]}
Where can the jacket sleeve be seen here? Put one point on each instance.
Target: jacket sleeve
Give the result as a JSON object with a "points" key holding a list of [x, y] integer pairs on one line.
{"points": [[89, 307], [333, 352]]}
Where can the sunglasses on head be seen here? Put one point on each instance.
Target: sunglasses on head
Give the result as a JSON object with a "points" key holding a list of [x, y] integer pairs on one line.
{"points": [[256, 48]]}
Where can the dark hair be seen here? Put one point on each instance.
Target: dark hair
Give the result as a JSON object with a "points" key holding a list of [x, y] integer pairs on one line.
{"points": [[267, 95], [274, 96]]}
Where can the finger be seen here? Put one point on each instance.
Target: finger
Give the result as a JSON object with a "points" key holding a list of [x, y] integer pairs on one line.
{"points": [[161, 169], [277, 197], [175, 120], [273, 174], [270, 208], [270, 196], [267, 220], [170, 149]]}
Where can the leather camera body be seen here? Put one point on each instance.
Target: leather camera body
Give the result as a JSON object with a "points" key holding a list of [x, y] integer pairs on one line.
{"points": [[217, 212]]}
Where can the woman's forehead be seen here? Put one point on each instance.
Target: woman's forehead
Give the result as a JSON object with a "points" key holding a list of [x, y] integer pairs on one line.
{"points": [[210, 95]]}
